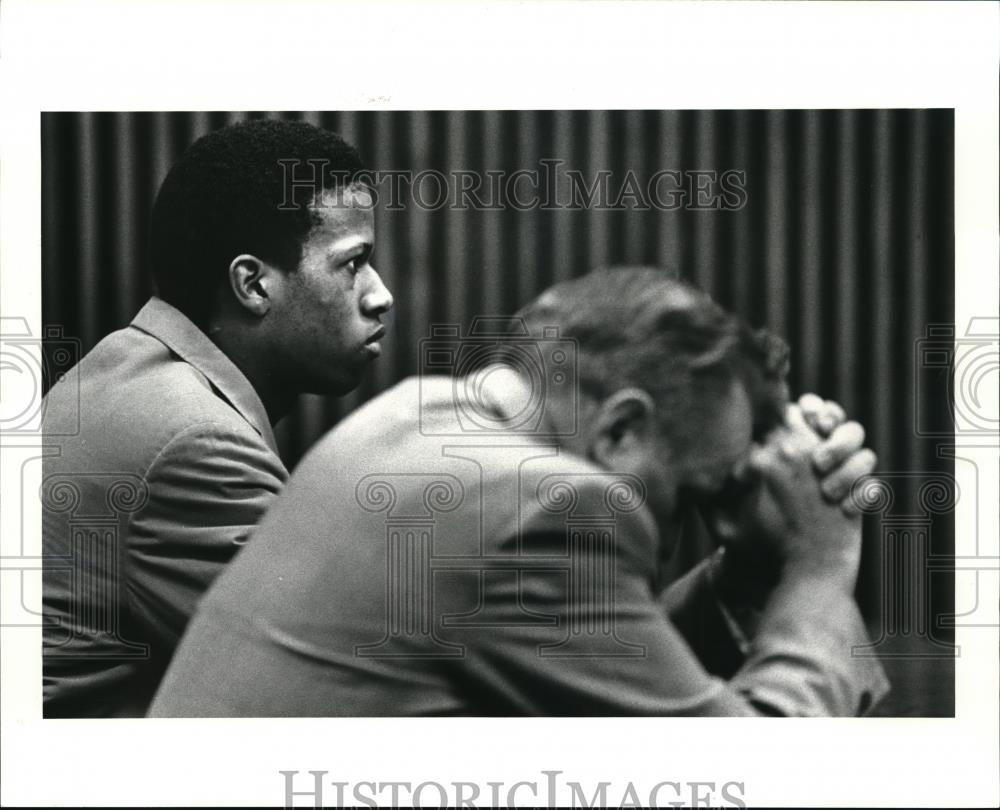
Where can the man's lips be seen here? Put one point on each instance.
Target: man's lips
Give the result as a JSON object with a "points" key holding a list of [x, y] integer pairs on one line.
{"points": [[372, 345]]}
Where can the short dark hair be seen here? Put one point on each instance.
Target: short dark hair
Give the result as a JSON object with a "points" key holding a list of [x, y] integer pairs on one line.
{"points": [[228, 194], [642, 327]]}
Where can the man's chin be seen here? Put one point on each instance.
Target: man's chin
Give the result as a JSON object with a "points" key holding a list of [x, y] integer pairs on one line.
{"points": [[338, 386]]}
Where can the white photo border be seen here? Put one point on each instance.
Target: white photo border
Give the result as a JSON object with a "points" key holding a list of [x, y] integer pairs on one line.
{"points": [[114, 55]]}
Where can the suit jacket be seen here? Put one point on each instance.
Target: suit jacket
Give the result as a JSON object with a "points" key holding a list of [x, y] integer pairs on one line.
{"points": [[172, 463], [420, 562]]}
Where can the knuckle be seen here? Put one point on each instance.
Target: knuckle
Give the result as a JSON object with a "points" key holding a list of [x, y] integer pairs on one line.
{"points": [[866, 463], [810, 403], [833, 488], [849, 435], [859, 431], [836, 409], [822, 457]]}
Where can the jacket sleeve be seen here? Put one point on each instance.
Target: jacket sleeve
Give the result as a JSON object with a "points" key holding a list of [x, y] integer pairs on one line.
{"points": [[611, 650], [811, 650], [208, 488]]}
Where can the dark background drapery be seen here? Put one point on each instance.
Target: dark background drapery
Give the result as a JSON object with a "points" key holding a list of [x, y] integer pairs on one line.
{"points": [[845, 247]]}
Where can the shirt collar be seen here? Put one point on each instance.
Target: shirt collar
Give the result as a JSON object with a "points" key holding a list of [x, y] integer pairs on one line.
{"points": [[172, 328]]}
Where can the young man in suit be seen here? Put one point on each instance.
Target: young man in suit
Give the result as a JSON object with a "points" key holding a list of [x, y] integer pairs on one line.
{"points": [[261, 242], [492, 544]]}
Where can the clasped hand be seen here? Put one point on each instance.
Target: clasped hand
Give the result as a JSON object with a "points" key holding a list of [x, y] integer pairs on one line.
{"points": [[791, 505]]}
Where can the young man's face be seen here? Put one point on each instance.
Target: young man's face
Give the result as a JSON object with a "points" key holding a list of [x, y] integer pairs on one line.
{"points": [[330, 308]]}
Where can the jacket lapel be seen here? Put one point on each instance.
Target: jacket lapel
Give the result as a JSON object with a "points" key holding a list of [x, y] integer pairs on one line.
{"points": [[172, 328]]}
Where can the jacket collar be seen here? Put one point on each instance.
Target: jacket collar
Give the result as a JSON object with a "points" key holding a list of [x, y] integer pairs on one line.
{"points": [[172, 328]]}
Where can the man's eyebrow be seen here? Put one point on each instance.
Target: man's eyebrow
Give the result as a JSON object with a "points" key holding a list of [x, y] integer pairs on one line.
{"points": [[358, 248]]}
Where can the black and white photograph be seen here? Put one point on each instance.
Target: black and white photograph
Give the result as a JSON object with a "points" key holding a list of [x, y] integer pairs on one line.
{"points": [[330, 427]]}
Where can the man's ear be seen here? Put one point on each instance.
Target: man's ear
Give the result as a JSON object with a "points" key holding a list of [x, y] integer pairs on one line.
{"points": [[251, 281], [624, 425]]}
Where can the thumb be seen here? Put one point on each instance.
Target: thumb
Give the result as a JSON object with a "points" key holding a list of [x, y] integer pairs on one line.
{"points": [[802, 435], [795, 419]]}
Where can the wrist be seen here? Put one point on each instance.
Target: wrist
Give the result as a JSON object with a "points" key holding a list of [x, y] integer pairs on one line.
{"points": [[820, 573]]}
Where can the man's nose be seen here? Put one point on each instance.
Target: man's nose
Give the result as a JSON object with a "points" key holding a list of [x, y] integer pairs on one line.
{"points": [[377, 298]]}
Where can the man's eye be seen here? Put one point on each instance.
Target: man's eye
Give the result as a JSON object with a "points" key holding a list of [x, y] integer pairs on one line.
{"points": [[352, 265]]}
